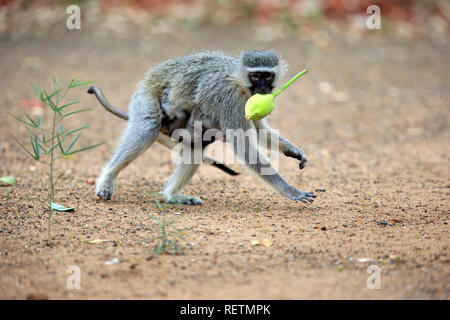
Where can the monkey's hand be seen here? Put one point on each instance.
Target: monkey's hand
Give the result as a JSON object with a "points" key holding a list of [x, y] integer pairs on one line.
{"points": [[296, 194], [298, 154]]}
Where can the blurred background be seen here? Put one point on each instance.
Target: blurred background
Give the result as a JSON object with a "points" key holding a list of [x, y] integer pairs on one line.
{"points": [[19, 18], [372, 115]]}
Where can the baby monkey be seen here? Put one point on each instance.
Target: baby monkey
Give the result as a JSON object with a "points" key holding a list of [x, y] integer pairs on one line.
{"points": [[211, 87]]}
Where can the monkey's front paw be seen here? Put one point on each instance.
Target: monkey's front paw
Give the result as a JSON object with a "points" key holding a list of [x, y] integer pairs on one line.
{"points": [[303, 196], [182, 199], [298, 154], [104, 190]]}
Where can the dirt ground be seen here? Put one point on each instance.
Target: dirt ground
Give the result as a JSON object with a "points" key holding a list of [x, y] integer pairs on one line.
{"points": [[372, 115]]}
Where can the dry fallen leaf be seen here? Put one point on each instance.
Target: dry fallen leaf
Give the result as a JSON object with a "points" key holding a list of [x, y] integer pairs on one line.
{"points": [[97, 241]]}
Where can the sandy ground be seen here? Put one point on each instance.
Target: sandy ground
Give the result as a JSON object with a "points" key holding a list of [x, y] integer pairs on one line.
{"points": [[377, 141]]}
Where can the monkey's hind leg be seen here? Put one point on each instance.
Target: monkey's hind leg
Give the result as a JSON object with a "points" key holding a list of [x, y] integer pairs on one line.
{"points": [[142, 130], [183, 173]]}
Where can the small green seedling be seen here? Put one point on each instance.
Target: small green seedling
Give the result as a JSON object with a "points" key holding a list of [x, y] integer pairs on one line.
{"points": [[52, 143], [260, 106]]}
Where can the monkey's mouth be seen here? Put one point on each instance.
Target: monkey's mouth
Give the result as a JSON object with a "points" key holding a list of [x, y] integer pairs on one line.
{"points": [[261, 90]]}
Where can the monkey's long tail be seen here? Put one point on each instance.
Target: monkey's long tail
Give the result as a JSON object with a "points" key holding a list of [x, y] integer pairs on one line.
{"points": [[110, 108], [105, 103]]}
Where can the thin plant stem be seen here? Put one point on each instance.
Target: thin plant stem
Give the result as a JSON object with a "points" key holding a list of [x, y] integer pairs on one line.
{"points": [[289, 82], [51, 194]]}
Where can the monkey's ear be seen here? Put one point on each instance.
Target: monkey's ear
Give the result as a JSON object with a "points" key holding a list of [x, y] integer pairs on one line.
{"points": [[282, 69]]}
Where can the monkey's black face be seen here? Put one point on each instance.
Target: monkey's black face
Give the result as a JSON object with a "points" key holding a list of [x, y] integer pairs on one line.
{"points": [[261, 82]]}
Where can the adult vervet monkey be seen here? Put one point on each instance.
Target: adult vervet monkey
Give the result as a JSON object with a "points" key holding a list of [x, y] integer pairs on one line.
{"points": [[211, 87]]}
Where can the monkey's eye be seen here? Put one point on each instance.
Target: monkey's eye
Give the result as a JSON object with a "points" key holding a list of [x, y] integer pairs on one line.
{"points": [[254, 76], [269, 77]]}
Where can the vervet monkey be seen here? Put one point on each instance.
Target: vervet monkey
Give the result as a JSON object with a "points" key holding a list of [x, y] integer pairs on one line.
{"points": [[211, 87]]}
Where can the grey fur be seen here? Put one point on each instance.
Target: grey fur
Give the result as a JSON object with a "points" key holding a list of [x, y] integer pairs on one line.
{"points": [[209, 86], [260, 58]]}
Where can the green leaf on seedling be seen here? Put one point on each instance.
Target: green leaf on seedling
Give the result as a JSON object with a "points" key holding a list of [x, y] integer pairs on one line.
{"points": [[48, 97], [23, 147], [32, 121], [23, 121], [61, 208], [67, 105], [72, 144], [77, 111], [35, 149], [76, 130], [84, 149], [8, 181], [39, 94], [78, 83], [59, 144]]}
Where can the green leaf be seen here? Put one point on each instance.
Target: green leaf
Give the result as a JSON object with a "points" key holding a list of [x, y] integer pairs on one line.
{"points": [[8, 181], [42, 148], [72, 144], [32, 121], [62, 128], [34, 136], [61, 208], [78, 83], [26, 150], [84, 149], [67, 105], [75, 112], [47, 97], [23, 121], [35, 148], [31, 133], [59, 144], [76, 130], [51, 103], [39, 93], [39, 121]]}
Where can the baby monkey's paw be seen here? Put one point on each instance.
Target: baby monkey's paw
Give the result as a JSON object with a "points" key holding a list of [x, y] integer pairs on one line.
{"points": [[298, 154]]}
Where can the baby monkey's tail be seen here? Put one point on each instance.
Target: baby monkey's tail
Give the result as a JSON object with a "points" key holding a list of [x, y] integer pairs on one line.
{"points": [[109, 107]]}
